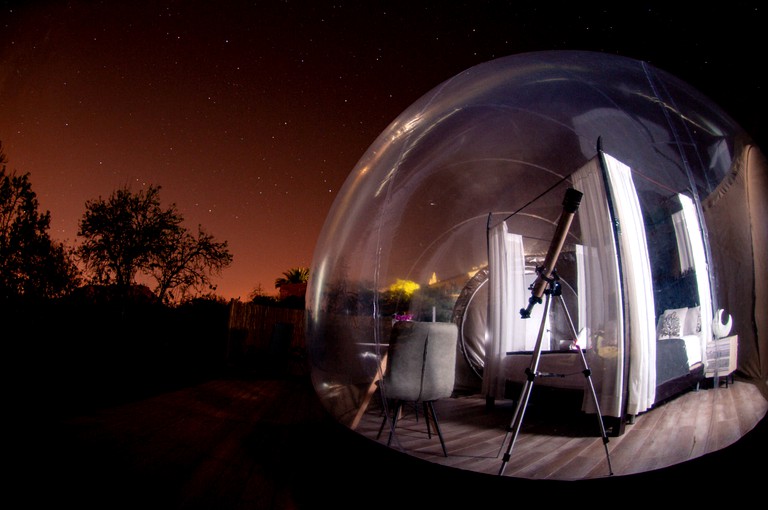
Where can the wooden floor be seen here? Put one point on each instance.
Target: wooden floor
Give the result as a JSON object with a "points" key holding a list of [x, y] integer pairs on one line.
{"points": [[556, 441], [249, 443]]}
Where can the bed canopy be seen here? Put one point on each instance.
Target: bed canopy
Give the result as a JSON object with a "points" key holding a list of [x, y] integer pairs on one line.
{"points": [[451, 209]]}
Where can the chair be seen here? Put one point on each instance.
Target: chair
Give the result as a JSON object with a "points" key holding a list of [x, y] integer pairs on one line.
{"points": [[421, 369]]}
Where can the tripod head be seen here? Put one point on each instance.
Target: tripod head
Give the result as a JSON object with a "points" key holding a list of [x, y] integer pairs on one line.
{"points": [[552, 287], [545, 272]]}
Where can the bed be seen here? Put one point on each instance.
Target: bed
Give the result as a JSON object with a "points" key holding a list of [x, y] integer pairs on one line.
{"points": [[679, 352], [562, 368], [679, 358]]}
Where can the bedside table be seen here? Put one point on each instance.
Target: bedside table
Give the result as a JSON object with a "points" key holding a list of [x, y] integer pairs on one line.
{"points": [[722, 355]]}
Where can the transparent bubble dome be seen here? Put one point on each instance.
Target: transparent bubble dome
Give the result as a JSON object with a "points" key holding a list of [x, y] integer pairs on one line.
{"points": [[407, 237]]}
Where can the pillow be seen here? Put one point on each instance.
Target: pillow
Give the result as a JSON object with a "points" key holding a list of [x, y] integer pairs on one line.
{"points": [[672, 322], [692, 324]]}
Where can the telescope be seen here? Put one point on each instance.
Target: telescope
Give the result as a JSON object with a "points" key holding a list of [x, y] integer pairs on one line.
{"points": [[571, 203], [547, 279]]}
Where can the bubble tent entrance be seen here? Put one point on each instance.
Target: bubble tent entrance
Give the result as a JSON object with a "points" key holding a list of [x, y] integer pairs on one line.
{"points": [[495, 147]]}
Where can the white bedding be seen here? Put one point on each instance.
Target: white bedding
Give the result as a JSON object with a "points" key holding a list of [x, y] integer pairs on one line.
{"points": [[693, 349], [684, 323]]}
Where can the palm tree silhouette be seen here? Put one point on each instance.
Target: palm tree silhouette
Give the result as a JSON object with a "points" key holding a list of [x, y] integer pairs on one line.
{"points": [[293, 275]]}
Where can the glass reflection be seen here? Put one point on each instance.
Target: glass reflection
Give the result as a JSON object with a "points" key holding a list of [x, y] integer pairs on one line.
{"points": [[647, 268]]}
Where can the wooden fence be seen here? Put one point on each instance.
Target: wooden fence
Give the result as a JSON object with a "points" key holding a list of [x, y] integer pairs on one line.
{"points": [[260, 333]]}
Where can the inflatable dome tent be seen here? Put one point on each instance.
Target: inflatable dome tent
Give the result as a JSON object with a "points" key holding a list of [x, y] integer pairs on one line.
{"points": [[449, 215]]}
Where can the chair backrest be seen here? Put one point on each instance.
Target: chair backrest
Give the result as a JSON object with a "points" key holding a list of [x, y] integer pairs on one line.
{"points": [[421, 361]]}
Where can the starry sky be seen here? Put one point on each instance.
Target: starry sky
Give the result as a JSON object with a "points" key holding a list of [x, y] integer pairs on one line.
{"points": [[251, 114]]}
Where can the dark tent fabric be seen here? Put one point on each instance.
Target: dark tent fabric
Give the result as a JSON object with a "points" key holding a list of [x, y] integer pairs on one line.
{"points": [[739, 206]]}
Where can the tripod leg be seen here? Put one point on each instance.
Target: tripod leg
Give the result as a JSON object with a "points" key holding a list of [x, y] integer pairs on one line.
{"points": [[588, 374], [517, 421], [522, 403]]}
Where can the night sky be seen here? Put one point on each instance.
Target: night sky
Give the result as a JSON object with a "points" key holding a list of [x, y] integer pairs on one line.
{"points": [[250, 115]]}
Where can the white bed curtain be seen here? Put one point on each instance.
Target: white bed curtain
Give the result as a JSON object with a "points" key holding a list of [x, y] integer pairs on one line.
{"points": [[638, 286], [581, 279], [690, 231], [684, 254], [506, 262], [618, 302], [603, 319]]}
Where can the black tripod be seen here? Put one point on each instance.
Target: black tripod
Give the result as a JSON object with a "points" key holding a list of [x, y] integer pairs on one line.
{"points": [[553, 289]]}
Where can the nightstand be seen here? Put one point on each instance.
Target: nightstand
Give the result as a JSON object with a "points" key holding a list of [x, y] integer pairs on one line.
{"points": [[722, 355]]}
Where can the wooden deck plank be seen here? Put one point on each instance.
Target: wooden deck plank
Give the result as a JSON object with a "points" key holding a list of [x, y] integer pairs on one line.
{"points": [[552, 445]]}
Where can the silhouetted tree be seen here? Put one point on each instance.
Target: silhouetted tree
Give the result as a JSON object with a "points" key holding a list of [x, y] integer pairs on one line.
{"points": [[293, 275], [187, 263], [32, 265], [397, 298], [258, 296], [121, 233], [293, 287], [130, 233], [263, 299]]}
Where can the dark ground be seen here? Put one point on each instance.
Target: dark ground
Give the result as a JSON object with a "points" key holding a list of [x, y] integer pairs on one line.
{"points": [[91, 424], [266, 443]]}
